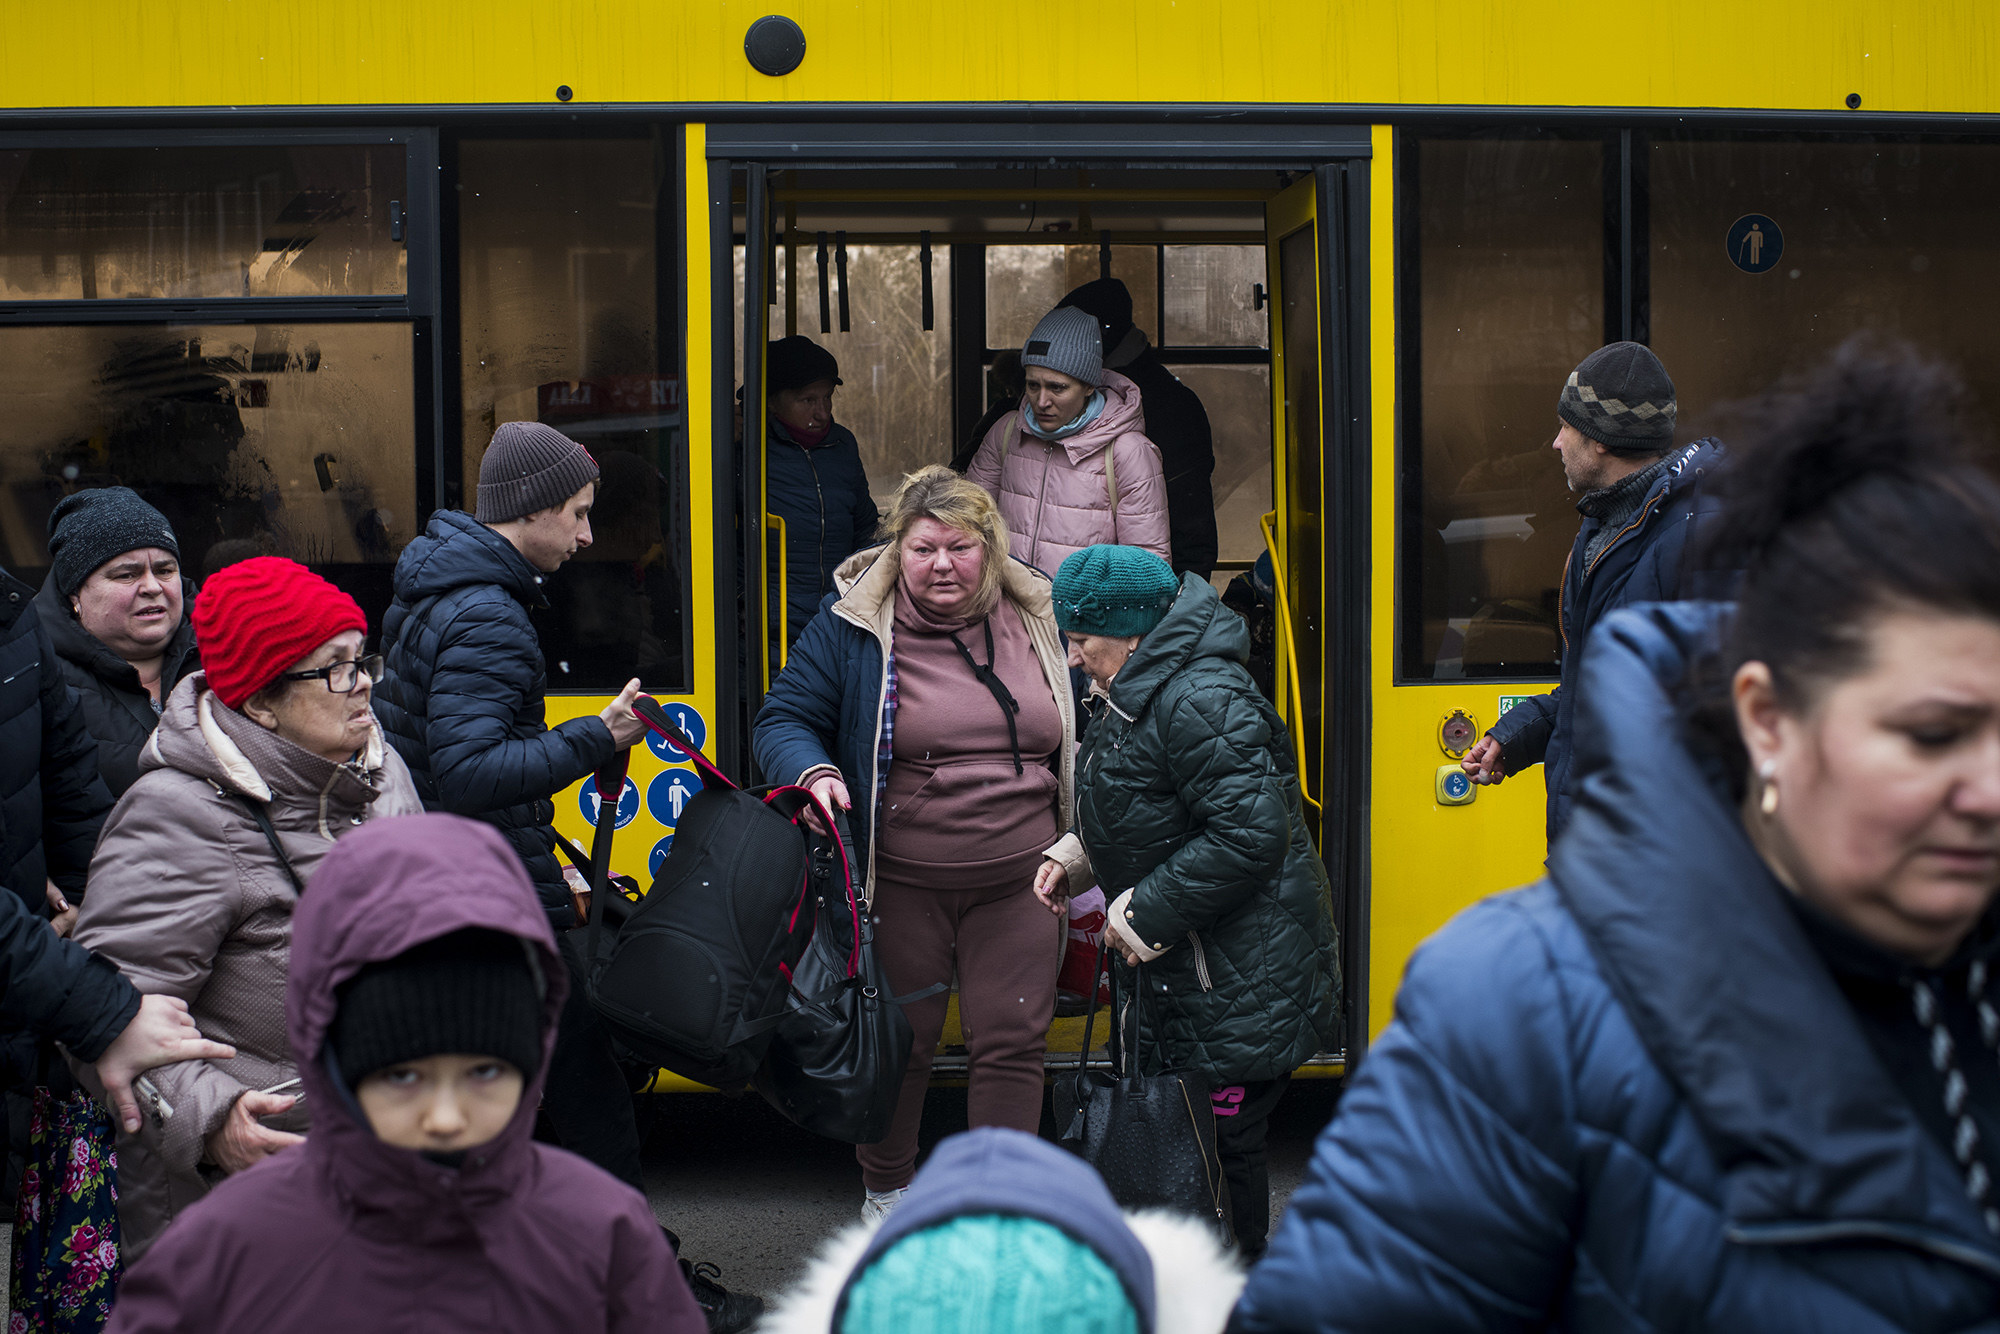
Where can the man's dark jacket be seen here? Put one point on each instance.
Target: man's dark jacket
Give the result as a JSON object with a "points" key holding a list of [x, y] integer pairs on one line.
{"points": [[461, 694], [1633, 1096], [1647, 561], [52, 802], [1178, 424], [52, 805], [117, 711], [822, 495]]}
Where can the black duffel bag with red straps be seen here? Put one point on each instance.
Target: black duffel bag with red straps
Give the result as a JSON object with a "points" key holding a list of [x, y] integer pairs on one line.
{"points": [[751, 957]]}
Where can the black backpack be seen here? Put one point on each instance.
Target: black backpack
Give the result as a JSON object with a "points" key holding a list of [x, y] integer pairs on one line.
{"points": [[696, 975]]}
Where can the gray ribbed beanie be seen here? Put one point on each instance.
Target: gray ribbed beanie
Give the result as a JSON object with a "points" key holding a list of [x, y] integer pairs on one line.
{"points": [[91, 527], [1067, 341], [528, 468], [1621, 397]]}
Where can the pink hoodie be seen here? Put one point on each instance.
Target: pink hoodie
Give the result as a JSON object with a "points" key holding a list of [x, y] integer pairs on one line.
{"points": [[1056, 498]]}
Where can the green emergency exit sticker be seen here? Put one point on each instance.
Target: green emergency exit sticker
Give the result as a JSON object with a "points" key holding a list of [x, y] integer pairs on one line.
{"points": [[1509, 701]]}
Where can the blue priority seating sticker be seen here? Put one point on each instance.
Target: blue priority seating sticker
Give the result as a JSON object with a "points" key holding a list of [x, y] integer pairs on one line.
{"points": [[659, 856], [686, 717], [628, 803]]}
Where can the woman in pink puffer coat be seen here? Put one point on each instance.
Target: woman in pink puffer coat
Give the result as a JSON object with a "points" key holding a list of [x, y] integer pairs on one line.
{"points": [[1072, 467]]}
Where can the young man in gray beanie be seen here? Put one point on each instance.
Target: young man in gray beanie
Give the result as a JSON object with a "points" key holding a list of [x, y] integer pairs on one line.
{"points": [[1641, 501], [461, 700]]}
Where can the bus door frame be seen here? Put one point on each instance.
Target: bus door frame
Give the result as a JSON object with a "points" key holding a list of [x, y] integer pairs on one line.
{"points": [[1333, 203], [1332, 161]]}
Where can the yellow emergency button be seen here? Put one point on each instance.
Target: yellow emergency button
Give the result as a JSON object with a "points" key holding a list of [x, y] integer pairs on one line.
{"points": [[1454, 786]]}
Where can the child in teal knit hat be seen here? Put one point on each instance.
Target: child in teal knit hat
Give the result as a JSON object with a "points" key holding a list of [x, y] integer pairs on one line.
{"points": [[1003, 1233]]}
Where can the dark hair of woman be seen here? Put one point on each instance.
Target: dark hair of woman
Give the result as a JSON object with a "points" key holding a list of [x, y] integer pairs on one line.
{"points": [[1853, 490]]}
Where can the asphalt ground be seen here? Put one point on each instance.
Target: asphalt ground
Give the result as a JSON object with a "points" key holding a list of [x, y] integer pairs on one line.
{"points": [[754, 1194]]}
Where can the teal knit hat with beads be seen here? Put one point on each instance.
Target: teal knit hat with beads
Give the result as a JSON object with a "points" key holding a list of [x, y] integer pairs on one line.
{"points": [[1117, 591], [992, 1274]]}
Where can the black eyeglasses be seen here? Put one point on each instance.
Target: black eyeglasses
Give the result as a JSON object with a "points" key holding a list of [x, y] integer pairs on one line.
{"points": [[341, 677]]}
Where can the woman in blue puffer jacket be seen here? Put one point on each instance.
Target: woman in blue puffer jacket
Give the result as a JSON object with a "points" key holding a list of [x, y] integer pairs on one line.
{"points": [[1733, 1064]]}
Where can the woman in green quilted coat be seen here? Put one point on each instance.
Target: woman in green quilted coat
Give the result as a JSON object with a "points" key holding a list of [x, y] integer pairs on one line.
{"points": [[1188, 812]]}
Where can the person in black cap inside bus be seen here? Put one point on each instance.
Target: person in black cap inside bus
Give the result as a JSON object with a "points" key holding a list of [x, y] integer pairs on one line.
{"points": [[1175, 421], [813, 478], [1641, 501]]}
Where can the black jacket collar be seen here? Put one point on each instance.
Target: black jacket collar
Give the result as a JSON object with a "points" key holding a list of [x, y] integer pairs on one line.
{"points": [[1719, 978]]}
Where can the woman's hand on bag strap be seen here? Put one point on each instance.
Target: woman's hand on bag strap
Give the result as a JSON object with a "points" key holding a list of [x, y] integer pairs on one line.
{"points": [[831, 790]]}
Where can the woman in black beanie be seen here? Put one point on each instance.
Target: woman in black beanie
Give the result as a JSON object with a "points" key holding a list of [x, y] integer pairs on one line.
{"points": [[115, 604]]}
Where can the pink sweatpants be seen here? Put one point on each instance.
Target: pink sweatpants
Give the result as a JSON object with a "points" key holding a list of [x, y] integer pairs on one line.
{"points": [[1007, 948]]}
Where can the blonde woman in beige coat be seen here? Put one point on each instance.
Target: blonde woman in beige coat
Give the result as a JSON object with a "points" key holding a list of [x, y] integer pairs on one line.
{"points": [[188, 894]]}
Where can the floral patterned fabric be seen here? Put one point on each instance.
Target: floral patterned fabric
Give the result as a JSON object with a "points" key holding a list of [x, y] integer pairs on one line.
{"points": [[65, 1267]]}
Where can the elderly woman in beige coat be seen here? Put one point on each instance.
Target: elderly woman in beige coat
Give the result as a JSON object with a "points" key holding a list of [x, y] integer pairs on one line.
{"points": [[260, 762]]}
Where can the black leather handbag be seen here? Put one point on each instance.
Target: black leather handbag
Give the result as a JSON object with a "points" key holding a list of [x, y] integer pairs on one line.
{"points": [[1150, 1136], [837, 1060]]}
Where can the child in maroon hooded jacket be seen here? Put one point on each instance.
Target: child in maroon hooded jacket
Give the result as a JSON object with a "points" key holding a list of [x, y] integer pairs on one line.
{"points": [[422, 1001]]}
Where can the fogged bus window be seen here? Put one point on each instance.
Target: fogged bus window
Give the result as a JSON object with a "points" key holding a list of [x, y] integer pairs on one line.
{"points": [[1888, 236], [896, 390], [1507, 297], [569, 318], [288, 440], [270, 220]]}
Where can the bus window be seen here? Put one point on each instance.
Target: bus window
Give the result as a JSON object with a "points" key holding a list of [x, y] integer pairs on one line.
{"points": [[1238, 402], [1886, 235], [897, 392], [568, 310], [1503, 244], [1209, 297], [1024, 282], [185, 222], [288, 440]]}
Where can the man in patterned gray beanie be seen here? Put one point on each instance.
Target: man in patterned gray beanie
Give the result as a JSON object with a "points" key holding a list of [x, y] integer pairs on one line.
{"points": [[1641, 501]]}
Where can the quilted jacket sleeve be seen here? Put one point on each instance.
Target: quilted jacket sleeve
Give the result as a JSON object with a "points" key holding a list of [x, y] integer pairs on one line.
{"points": [[1439, 1196], [162, 919], [74, 798], [1221, 748], [1524, 731], [1142, 496], [57, 987], [480, 682], [798, 726]]}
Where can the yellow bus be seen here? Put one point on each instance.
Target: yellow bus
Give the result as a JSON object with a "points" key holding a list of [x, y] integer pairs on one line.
{"points": [[284, 269]]}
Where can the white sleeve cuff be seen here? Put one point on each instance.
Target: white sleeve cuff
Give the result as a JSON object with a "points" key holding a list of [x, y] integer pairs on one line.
{"points": [[1118, 921]]}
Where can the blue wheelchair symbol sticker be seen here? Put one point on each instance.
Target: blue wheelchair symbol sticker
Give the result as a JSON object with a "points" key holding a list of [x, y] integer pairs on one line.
{"points": [[689, 720], [669, 793], [628, 803], [659, 856], [1754, 243], [1456, 786]]}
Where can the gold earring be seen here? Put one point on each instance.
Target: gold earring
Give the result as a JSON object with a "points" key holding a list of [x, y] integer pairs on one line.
{"points": [[1767, 773]]}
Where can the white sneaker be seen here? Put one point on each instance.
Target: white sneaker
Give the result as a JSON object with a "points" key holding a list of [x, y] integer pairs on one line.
{"points": [[877, 1205]]}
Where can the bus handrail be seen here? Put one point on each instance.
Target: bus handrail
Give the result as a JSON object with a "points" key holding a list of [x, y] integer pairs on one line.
{"points": [[1269, 524], [773, 521]]}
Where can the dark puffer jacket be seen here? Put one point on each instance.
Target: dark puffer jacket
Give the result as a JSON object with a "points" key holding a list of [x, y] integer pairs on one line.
{"points": [[461, 694], [1188, 796], [52, 802], [1631, 1097], [1647, 562], [822, 495], [117, 711]]}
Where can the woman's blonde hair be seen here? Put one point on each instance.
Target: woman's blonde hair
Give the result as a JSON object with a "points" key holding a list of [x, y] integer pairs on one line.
{"points": [[936, 492]]}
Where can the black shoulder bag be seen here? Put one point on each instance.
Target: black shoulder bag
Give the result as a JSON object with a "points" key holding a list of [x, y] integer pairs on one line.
{"points": [[1151, 1137], [262, 815]]}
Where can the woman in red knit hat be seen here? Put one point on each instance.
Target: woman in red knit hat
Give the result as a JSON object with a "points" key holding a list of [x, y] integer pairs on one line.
{"points": [[260, 761]]}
